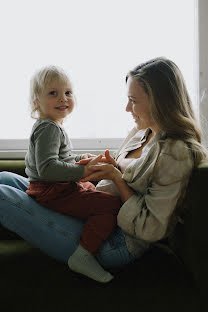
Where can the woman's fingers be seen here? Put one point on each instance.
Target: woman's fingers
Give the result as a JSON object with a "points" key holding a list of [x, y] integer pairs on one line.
{"points": [[98, 167], [107, 153], [99, 172], [92, 177], [109, 158], [96, 173], [96, 159]]}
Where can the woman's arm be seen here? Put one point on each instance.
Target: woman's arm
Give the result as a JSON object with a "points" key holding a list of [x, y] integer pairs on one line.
{"points": [[109, 172], [147, 215]]}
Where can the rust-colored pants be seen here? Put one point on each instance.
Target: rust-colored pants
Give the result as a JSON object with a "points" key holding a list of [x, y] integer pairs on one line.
{"points": [[80, 200]]}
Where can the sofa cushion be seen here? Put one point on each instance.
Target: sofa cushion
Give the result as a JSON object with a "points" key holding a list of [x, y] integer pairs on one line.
{"points": [[16, 166]]}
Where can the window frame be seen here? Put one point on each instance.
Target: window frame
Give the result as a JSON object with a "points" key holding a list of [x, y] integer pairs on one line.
{"points": [[16, 149], [203, 67]]}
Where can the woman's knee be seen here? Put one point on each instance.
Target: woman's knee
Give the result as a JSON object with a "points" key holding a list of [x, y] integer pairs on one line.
{"points": [[13, 179], [4, 177]]}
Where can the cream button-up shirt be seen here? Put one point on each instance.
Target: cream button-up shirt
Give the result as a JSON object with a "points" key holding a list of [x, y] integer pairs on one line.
{"points": [[158, 178]]}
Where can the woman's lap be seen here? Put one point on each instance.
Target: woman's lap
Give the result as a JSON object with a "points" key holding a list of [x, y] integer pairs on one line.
{"points": [[55, 234]]}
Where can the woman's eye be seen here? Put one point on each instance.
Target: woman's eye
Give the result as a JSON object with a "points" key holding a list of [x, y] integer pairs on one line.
{"points": [[131, 101]]}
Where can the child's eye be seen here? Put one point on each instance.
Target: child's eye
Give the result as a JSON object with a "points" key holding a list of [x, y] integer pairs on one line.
{"points": [[52, 92], [68, 93]]}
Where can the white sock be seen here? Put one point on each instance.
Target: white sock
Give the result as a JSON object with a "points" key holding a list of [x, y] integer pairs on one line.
{"points": [[82, 261]]}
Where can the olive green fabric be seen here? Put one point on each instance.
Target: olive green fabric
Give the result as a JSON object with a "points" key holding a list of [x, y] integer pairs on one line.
{"points": [[31, 281], [16, 166], [190, 242], [163, 279]]}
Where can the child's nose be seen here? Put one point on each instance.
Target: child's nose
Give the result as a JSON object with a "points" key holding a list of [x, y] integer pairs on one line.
{"points": [[63, 98]]}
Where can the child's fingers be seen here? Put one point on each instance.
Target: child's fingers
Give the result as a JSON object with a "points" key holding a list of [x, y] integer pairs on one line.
{"points": [[83, 161]]}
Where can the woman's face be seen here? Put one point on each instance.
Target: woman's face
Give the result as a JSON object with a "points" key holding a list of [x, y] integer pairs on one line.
{"points": [[138, 104]]}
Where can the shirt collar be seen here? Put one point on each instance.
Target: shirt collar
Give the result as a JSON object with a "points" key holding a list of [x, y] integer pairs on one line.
{"points": [[146, 134]]}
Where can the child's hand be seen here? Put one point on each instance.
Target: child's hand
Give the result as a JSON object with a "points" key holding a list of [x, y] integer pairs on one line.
{"points": [[107, 159], [91, 162], [86, 158], [88, 155]]}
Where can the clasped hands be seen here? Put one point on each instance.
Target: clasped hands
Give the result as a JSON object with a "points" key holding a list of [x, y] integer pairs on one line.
{"points": [[99, 167]]}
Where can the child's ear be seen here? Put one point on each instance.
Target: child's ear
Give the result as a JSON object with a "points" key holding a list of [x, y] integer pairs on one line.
{"points": [[36, 104]]}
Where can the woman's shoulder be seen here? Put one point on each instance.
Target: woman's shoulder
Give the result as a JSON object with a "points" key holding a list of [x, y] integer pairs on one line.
{"points": [[175, 160], [175, 148]]}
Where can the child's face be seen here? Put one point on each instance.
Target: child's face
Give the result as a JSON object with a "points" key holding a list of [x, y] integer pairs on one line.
{"points": [[56, 101]]}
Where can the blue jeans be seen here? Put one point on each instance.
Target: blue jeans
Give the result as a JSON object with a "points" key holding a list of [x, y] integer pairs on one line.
{"points": [[55, 234]]}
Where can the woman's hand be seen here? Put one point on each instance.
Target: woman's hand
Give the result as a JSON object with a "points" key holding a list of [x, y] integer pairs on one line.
{"points": [[88, 163], [109, 159], [86, 158], [101, 171], [97, 170]]}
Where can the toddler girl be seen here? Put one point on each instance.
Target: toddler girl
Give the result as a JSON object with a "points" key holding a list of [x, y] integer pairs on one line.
{"points": [[54, 171]]}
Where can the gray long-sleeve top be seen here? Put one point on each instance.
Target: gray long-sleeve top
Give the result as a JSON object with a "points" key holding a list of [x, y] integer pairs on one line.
{"points": [[49, 157]]}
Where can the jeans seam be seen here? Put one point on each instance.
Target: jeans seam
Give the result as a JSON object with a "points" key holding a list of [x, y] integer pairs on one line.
{"points": [[43, 220]]}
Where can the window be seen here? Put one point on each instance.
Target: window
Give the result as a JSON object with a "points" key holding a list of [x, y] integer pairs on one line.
{"points": [[97, 43]]}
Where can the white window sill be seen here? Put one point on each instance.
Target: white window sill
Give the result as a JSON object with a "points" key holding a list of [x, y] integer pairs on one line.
{"points": [[20, 154], [16, 149]]}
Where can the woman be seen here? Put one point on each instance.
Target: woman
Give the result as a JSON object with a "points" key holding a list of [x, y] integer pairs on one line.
{"points": [[150, 174]]}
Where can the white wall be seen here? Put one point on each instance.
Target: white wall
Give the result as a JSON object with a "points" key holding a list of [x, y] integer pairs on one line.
{"points": [[203, 66]]}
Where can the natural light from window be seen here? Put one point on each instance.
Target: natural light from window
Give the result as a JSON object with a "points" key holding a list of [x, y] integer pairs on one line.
{"points": [[97, 43]]}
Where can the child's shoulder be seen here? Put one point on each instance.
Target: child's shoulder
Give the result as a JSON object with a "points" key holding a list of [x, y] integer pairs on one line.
{"points": [[44, 126], [45, 123]]}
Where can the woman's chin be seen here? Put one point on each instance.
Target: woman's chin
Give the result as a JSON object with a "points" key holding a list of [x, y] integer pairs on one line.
{"points": [[137, 123], [140, 125]]}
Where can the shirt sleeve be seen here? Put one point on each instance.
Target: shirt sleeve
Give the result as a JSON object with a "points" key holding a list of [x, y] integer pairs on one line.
{"points": [[146, 216], [47, 142]]}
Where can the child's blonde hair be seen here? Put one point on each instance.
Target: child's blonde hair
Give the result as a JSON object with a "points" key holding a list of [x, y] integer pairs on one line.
{"points": [[39, 81]]}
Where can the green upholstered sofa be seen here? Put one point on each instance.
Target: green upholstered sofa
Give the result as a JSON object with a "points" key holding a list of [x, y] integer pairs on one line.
{"points": [[172, 276]]}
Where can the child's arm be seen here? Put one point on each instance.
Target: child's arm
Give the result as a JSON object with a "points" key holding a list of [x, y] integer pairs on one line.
{"points": [[50, 157]]}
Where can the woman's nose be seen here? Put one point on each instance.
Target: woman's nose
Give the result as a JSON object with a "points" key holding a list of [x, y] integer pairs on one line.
{"points": [[128, 107]]}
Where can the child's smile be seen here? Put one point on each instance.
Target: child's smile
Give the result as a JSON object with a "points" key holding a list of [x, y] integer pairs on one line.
{"points": [[62, 108], [56, 101]]}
